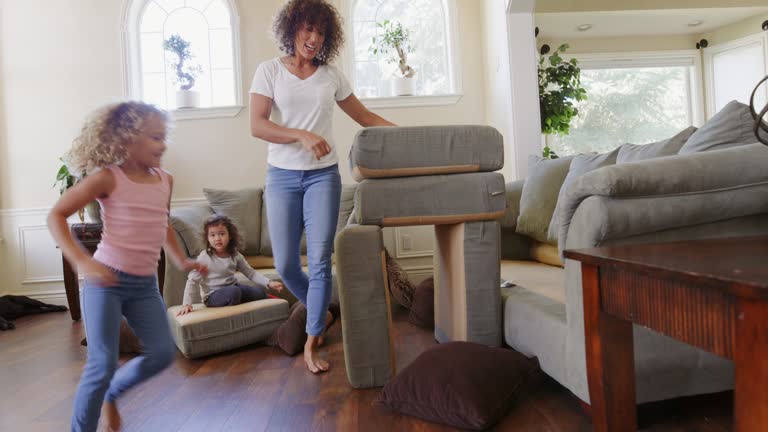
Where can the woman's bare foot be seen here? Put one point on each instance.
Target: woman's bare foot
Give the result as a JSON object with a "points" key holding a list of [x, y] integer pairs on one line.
{"points": [[111, 416], [312, 356]]}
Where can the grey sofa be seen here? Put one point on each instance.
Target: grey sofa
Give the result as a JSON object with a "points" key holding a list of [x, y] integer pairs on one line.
{"points": [[719, 193], [212, 330]]}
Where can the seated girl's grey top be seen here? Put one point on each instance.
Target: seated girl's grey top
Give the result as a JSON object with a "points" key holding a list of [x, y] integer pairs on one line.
{"points": [[221, 273]]}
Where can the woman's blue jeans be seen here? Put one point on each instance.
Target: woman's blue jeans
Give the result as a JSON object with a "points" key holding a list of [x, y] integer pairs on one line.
{"points": [[297, 201]]}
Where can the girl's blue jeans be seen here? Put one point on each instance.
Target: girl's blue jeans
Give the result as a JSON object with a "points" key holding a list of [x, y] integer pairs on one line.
{"points": [[297, 201], [138, 299]]}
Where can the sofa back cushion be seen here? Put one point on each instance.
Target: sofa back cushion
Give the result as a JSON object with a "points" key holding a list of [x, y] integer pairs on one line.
{"points": [[244, 208], [731, 126], [668, 147], [539, 196], [191, 232]]}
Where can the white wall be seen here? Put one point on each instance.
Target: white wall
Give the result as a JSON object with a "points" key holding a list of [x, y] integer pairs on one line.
{"points": [[60, 60]]}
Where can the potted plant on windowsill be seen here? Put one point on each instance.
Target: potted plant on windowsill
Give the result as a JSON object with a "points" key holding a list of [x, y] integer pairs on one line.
{"points": [[65, 180], [395, 43], [559, 91], [185, 70]]}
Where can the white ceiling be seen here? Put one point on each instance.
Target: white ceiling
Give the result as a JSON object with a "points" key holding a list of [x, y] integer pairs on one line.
{"points": [[641, 22]]}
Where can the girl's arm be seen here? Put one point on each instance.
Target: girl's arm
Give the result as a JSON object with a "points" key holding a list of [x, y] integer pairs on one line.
{"points": [[362, 115], [191, 290], [172, 248], [243, 267], [264, 128], [98, 185]]}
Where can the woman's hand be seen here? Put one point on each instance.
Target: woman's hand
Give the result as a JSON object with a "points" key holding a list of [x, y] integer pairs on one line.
{"points": [[184, 310], [189, 265], [97, 272], [315, 143], [276, 285]]}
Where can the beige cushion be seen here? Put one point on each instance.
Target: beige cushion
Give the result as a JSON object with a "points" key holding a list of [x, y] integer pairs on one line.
{"points": [[244, 208], [545, 253], [542, 279], [539, 196], [211, 330]]}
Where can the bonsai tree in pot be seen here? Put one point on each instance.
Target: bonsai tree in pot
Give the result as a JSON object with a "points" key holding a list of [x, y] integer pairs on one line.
{"points": [[185, 70], [395, 44], [559, 91], [65, 179]]}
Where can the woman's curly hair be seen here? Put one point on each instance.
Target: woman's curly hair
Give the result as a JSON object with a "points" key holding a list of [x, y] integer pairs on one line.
{"points": [[103, 138], [235, 241], [318, 13]]}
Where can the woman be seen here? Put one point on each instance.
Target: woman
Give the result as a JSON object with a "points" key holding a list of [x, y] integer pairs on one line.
{"points": [[303, 186]]}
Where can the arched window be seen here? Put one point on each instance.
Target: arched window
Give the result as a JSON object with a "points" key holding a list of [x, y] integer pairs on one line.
{"points": [[211, 29], [431, 25]]}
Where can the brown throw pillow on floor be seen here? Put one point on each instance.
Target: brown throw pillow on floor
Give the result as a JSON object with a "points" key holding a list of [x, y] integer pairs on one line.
{"points": [[129, 343], [461, 384], [423, 307], [291, 335], [399, 285]]}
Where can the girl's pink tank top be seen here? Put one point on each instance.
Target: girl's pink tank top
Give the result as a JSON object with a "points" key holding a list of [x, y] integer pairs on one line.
{"points": [[135, 218]]}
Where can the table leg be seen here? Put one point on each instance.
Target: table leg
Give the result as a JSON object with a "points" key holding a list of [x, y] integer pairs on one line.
{"points": [[610, 361], [72, 288], [750, 354]]}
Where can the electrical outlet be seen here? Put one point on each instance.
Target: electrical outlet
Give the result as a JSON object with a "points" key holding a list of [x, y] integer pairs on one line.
{"points": [[407, 242]]}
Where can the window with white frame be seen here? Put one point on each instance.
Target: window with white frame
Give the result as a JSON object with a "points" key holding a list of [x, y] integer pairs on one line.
{"points": [[210, 28], [433, 57], [634, 98]]}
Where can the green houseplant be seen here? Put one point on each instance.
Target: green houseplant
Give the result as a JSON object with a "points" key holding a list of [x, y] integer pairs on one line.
{"points": [[185, 71], [65, 179], [559, 91], [394, 42]]}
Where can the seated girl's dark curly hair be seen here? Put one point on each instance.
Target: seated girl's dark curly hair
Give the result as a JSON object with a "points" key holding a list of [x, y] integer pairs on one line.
{"points": [[234, 234], [318, 13]]}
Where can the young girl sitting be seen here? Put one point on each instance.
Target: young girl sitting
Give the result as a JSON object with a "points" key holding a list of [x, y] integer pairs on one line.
{"points": [[222, 260], [120, 149]]}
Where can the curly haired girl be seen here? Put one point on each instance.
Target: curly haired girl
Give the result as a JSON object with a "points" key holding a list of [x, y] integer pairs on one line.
{"points": [[223, 260], [120, 148]]}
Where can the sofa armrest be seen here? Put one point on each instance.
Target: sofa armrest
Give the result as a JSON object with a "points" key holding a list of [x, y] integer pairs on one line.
{"points": [[684, 178], [187, 223]]}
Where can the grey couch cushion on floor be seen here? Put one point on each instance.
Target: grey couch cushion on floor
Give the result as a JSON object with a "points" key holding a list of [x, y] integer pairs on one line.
{"points": [[212, 330], [430, 200], [731, 126], [668, 147], [423, 150]]}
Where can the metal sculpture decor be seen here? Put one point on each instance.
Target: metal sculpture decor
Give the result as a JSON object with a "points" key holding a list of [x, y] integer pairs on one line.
{"points": [[760, 119]]}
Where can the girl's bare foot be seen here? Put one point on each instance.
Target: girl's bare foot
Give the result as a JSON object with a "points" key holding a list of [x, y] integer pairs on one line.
{"points": [[111, 416], [315, 364]]}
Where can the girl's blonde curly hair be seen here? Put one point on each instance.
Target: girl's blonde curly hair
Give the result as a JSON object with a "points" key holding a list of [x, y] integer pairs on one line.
{"points": [[103, 138]]}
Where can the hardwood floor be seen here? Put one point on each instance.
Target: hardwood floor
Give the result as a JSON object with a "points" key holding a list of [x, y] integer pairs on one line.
{"points": [[258, 388]]}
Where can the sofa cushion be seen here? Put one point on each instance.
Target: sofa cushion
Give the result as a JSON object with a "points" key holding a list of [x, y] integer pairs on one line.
{"points": [[188, 224], [425, 150], [668, 147], [539, 196], [216, 329], [244, 208], [545, 253], [461, 384], [731, 126], [542, 279], [430, 200], [581, 164]]}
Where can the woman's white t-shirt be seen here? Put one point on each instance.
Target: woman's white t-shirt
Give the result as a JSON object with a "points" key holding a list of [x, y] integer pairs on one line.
{"points": [[301, 104]]}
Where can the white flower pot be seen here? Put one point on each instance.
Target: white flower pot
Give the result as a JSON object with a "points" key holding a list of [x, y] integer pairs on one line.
{"points": [[403, 86], [187, 99]]}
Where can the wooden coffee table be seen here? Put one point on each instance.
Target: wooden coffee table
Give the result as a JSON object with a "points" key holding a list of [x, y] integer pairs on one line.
{"points": [[712, 294]]}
